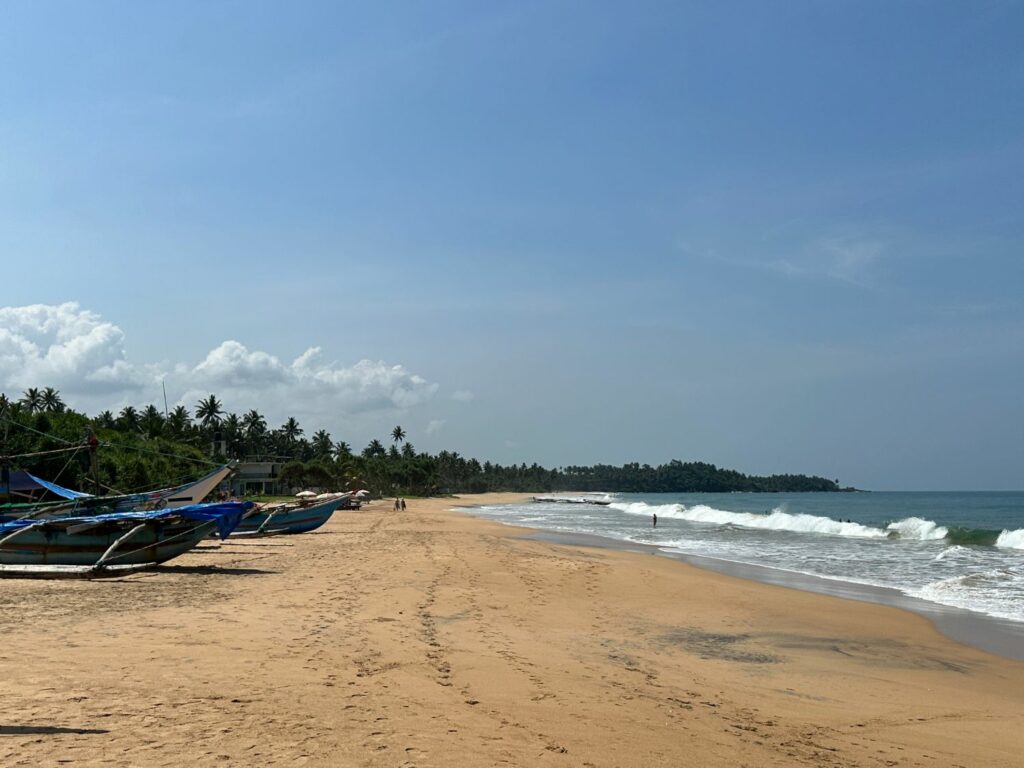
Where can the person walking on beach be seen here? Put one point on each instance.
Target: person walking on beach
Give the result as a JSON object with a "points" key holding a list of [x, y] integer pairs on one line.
{"points": [[654, 520], [396, 504], [403, 505]]}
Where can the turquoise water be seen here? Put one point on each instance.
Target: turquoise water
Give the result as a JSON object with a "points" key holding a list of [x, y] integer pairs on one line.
{"points": [[958, 549]]}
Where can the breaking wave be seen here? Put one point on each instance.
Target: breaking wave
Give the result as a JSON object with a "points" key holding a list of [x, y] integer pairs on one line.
{"points": [[1011, 539], [910, 529]]}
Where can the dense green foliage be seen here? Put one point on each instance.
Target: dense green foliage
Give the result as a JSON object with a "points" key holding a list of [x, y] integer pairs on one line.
{"points": [[146, 449]]}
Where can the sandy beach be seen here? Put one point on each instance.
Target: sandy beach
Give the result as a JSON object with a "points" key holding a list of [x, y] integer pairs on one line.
{"points": [[431, 638]]}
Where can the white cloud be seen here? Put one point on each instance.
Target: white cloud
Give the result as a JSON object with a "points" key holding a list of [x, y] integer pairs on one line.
{"points": [[83, 356], [244, 378], [463, 396], [68, 348]]}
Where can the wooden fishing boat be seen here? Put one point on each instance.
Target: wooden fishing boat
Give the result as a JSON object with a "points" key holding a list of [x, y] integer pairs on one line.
{"points": [[110, 544], [76, 503], [296, 517]]}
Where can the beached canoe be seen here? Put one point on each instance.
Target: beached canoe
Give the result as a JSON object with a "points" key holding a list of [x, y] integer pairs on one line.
{"points": [[113, 541], [290, 518]]}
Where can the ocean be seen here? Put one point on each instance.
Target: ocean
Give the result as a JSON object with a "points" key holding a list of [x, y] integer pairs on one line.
{"points": [[964, 550]]}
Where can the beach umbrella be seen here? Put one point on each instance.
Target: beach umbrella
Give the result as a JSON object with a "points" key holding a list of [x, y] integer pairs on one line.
{"points": [[304, 494]]}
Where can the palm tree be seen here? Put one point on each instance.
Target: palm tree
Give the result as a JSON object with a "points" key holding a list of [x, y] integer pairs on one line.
{"points": [[408, 451], [179, 421], [375, 448], [255, 427], [128, 419], [209, 411], [152, 421], [51, 400], [233, 434], [291, 430], [322, 443], [4, 403], [342, 450], [105, 420], [398, 434], [32, 400]]}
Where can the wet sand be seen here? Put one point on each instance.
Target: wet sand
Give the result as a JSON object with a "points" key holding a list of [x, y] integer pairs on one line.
{"points": [[431, 638]]}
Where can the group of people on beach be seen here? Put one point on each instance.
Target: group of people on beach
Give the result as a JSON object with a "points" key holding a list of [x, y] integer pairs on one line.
{"points": [[399, 505]]}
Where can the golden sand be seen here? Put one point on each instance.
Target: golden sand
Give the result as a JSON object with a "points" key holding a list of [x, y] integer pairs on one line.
{"points": [[430, 638]]}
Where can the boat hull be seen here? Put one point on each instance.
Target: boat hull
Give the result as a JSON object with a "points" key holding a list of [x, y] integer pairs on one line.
{"points": [[298, 520], [157, 543]]}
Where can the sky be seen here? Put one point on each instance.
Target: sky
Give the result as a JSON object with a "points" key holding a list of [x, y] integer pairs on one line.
{"points": [[779, 237]]}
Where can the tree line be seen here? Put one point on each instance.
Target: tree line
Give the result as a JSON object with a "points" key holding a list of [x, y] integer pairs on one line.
{"points": [[147, 448]]}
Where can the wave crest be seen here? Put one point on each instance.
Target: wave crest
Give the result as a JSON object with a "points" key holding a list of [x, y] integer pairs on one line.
{"points": [[1011, 539], [918, 528], [776, 520]]}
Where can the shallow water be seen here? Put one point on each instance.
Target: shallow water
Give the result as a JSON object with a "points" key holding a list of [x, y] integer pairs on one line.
{"points": [[964, 550]]}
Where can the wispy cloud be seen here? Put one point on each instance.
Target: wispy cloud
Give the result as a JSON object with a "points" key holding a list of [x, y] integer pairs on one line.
{"points": [[845, 260]]}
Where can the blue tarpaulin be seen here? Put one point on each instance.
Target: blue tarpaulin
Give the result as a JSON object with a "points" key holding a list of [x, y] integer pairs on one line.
{"points": [[227, 515], [26, 483]]}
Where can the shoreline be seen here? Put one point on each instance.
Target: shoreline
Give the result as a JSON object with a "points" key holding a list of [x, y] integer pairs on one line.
{"points": [[992, 634], [433, 638], [978, 630]]}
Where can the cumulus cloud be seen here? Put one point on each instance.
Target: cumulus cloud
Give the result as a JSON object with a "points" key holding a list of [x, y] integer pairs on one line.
{"points": [[83, 355], [237, 374], [66, 347]]}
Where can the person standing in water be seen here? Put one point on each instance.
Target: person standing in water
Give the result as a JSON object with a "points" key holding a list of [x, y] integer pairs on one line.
{"points": [[654, 520]]}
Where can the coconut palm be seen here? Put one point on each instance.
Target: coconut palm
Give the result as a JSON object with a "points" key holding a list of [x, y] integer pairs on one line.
{"points": [[51, 400], [32, 399], [209, 410], [178, 422], [128, 419], [255, 427], [105, 420], [4, 404], [408, 451], [151, 421], [398, 434], [322, 443], [342, 450], [375, 448], [291, 430], [233, 431]]}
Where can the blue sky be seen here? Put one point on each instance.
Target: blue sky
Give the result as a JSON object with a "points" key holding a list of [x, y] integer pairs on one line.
{"points": [[775, 236]]}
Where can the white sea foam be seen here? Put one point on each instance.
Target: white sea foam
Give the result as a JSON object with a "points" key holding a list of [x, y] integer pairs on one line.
{"points": [[953, 551], [918, 528], [1011, 539], [776, 520], [997, 592]]}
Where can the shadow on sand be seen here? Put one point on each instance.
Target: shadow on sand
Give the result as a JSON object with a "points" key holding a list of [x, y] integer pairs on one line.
{"points": [[212, 570], [44, 730]]}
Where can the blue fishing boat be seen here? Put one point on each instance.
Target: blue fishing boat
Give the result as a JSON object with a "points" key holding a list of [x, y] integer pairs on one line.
{"points": [[108, 544], [297, 517]]}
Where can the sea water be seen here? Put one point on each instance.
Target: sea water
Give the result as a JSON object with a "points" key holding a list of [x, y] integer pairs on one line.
{"points": [[964, 550]]}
